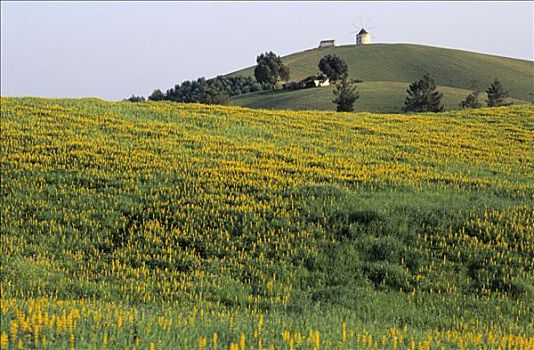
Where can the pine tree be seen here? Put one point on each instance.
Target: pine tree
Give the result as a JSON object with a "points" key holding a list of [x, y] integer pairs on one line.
{"points": [[346, 93], [496, 94], [471, 101], [423, 96]]}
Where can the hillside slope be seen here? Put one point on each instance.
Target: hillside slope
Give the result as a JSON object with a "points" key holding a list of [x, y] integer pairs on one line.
{"points": [[159, 225], [405, 63], [375, 96]]}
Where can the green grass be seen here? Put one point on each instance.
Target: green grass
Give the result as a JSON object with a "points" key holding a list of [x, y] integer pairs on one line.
{"points": [[379, 96], [163, 223], [387, 65]]}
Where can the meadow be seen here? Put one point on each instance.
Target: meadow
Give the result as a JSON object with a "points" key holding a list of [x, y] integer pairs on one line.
{"points": [[374, 96], [386, 71], [159, 225]]}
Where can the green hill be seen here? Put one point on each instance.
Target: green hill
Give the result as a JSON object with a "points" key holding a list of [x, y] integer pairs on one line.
{"points": [[376, 96], [391, 64], [160, 225]]}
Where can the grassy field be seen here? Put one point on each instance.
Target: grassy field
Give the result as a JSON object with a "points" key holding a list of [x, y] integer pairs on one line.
{"points": [[376, 96], [383, 67], [159, 225]]}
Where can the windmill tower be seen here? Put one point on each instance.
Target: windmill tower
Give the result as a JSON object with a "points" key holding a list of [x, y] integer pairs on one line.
{"points": [[363, 37]]}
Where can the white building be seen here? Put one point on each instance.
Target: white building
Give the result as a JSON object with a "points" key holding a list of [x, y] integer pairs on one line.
{"points": [[321, 82], [313, 81], [363, 37], [327, 43]]}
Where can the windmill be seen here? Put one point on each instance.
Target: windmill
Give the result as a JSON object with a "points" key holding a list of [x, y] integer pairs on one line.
{"points": [[362, 35]]}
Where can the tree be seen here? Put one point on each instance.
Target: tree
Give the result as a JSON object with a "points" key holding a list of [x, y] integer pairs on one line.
{"points": [[346, 93], [237, 85], [134, 98], [214, 96], [333, 67], [157, 95], [423, 96], [496, 94], [270, 69], [471, 100], [263, 74], [197, 91]]}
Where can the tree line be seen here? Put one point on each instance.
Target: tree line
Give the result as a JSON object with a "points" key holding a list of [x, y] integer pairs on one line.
{"points": [[208, 91], [270, 73]]}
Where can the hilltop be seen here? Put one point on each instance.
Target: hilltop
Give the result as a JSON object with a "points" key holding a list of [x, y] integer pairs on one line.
{"points": [[159, 225], [387, 69]]}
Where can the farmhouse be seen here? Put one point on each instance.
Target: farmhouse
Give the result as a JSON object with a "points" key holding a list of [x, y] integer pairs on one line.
{"points": [[327, 43], [308, 82], [313, 81], [363, 37]]}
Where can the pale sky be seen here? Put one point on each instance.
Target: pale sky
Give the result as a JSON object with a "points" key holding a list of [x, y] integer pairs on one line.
{"points": [[112, 50]]}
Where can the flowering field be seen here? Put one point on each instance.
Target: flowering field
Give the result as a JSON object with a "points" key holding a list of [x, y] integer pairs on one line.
{"points": [[168, 226]]}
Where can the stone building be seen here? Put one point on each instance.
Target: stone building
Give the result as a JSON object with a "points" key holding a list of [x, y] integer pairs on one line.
{"points": [[363, 37], [327, 43]]}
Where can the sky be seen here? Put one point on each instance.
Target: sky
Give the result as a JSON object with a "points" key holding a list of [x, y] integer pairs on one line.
{"points": [[112, 50]]}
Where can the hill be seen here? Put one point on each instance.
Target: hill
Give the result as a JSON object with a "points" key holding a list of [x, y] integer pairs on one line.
{"points": [[161, 225], [379, 96], [391, 64]]}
